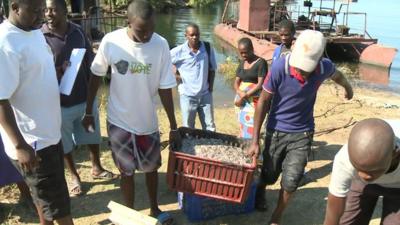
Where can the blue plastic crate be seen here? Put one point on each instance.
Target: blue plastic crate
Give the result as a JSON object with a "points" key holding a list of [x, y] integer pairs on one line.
{"points": [[199, 208]]}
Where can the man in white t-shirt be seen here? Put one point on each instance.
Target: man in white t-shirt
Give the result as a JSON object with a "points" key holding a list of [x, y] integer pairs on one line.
{"points": [[363, 170], [141, 67], [30, 115]]}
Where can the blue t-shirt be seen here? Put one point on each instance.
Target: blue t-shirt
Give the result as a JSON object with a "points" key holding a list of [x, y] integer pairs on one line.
{"points": [[279, 52], [292, 107], [193, 68]]}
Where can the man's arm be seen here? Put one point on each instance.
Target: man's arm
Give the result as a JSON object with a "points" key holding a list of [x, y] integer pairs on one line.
{"points": [[25, 152], [211, 78], [263, 105], [334, 209], [177, 74], [168, 104], [88, 118], [211, 71], [340, 79]]}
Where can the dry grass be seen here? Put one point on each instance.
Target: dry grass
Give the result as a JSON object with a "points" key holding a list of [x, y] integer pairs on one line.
{"points": [[307, 207]]}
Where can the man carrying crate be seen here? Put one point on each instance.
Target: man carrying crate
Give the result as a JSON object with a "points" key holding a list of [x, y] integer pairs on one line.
{"points": [[289, 93]]}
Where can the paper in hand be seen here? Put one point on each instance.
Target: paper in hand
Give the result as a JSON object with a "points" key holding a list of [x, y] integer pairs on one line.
{"points": [[68, 79]]}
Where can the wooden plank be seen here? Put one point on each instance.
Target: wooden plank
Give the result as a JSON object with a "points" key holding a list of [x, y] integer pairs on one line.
{"points": [[123, 215]]}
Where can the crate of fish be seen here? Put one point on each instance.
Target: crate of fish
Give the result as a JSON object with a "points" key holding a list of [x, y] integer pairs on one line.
{"points": [[211, 164]]}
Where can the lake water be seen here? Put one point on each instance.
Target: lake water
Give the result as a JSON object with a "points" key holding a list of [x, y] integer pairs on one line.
{"points": [[383, 23]]}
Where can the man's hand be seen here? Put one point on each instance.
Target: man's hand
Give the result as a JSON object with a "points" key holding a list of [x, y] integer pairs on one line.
{"points": [[340, 79], [254, 150], [88, 123], [26, 157], [348, 93], [175, 140], [61, 69]]}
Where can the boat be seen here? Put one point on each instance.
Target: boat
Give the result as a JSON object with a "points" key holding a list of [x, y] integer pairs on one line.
{"points": [[259, 19]]}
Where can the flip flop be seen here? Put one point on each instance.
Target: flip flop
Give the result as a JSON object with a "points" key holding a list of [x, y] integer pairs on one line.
{"points": [[260, 201], [165, 218], [75, 188], [105, 175]]}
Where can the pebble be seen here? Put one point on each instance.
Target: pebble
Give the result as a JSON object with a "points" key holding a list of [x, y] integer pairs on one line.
{"points": [[215, 149]]}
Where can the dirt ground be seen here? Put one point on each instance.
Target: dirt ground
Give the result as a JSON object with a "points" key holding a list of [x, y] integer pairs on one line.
{"points": [[306, 208]]}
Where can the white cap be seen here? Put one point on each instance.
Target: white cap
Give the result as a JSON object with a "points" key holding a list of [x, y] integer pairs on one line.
{"points": [[307, 50]]}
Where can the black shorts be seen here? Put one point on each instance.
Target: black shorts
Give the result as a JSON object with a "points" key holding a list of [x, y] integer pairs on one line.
{"points": [[285, 153], [47, 183]]}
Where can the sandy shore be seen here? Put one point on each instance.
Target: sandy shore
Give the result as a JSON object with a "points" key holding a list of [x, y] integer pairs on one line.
{"points": [[332, 113]]}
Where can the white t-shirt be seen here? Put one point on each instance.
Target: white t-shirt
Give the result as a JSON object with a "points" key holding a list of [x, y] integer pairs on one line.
{"points": [[28, 80], [138, 70], [343, 171]]}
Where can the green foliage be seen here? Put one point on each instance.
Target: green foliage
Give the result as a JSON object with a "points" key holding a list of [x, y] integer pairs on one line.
{"points": [[228, 68], [200, 3]]}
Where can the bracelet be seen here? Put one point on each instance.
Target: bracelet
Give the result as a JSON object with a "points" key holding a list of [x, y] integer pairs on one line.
{"points": [[88, 114], [173, 130]]}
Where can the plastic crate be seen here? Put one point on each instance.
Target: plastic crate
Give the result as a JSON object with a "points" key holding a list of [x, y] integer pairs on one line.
{"points": [[199, 208], [207, 177]]}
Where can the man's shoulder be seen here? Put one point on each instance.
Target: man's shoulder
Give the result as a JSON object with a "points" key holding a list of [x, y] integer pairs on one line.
{"points": [[8, 32], [159, 40], [12, 40], [326, 62], [395, 125], [114, 35], [175, 50], [73, 27], [342, 157], [181, 45], [278, 67]]}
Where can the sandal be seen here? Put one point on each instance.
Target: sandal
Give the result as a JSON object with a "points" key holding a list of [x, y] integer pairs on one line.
{"points": [[75, 188], [260, 201], [105, 175]]}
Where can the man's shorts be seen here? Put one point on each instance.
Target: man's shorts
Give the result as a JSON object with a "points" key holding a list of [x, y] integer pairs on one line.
{"points": [[47, 183], [285, 153], [73, 133], [134, 152]]}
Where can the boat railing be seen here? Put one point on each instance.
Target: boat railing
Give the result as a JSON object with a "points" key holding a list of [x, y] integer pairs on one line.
{"points": [[363, 14]]}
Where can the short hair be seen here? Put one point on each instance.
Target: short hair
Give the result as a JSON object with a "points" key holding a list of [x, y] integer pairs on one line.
{"points": [[140, 8], [287, 24], [62, 4], [192, 25], [18, 2], [246, 42]]}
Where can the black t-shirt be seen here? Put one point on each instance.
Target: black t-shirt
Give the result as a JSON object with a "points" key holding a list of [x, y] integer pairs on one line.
{"points": [[62, 48], [258, 69]]}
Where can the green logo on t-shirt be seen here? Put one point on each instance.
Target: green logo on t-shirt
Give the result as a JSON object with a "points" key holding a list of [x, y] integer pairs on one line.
{"points": [[137, 68]]}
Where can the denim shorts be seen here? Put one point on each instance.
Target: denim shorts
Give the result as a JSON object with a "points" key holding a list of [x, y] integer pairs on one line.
{"points": [[73, 133], [285, 153]]}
